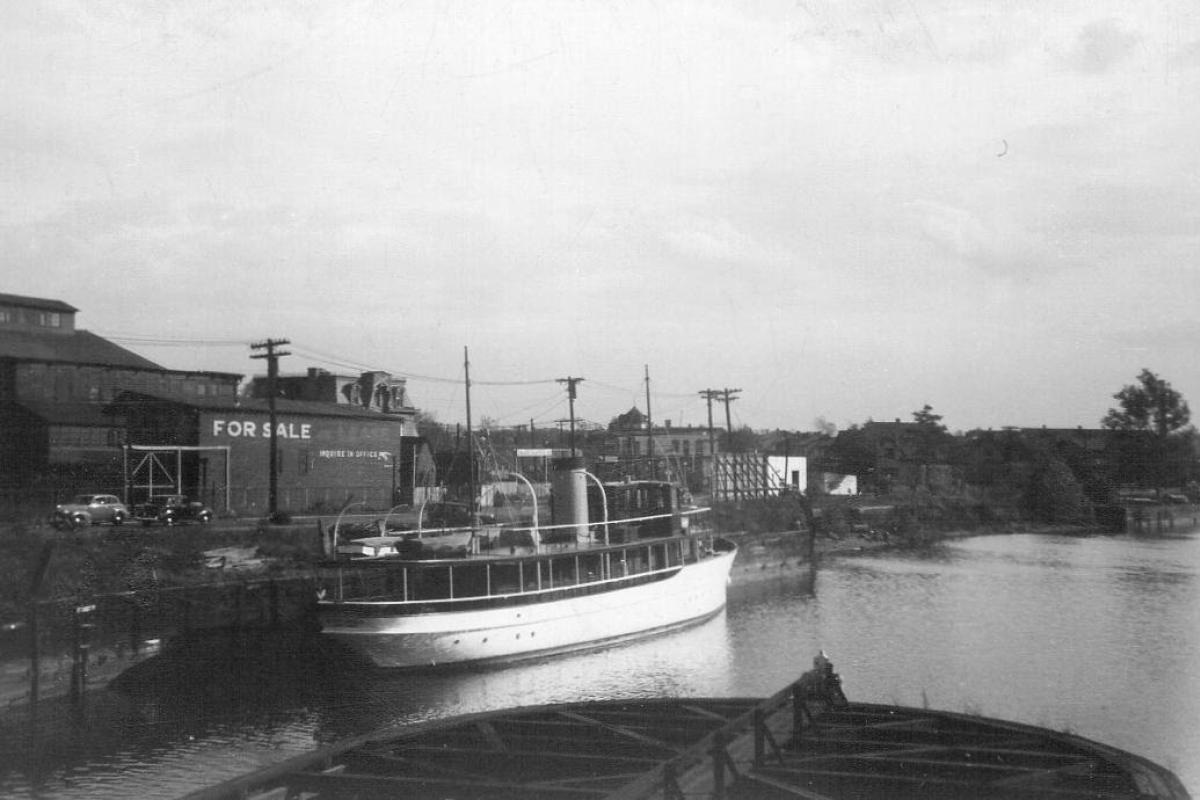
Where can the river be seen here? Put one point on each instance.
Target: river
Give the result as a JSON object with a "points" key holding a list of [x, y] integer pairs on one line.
{"points": [[1097, 635]]}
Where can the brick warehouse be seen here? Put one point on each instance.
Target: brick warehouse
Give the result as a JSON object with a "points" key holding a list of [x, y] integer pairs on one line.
{"points": [[79, 413]]}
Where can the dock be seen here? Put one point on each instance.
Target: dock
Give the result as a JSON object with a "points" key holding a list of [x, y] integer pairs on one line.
{"points": [[806, 741]]}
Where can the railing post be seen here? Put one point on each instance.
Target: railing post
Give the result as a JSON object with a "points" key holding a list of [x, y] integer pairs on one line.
{"points": [[83, 647]]}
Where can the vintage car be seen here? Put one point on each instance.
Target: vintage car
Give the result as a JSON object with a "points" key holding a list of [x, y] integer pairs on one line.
{"points": [[89, 509], [171, 509]]}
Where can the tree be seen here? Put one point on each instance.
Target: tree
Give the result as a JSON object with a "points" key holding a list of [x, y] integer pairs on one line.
{"points": [[1150, 405], [824, 426], [1161, 454], [741, 440], [926, 417], [931, 440]]}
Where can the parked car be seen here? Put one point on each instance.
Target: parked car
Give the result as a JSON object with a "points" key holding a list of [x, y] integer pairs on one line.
{"points": [[171, 509], [90, 509]]}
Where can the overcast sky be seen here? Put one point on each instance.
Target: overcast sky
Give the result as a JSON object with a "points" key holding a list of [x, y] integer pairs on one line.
{"points": [[845, 209]]}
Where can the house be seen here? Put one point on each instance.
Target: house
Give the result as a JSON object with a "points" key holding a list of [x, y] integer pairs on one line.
{"points": [[637, 448]]}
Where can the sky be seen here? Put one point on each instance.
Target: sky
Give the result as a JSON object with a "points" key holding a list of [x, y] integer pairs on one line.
{"points": [[844, 209]]}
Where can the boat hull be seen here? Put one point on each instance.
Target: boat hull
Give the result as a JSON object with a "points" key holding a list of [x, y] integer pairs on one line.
{"points": [[695, 593]]}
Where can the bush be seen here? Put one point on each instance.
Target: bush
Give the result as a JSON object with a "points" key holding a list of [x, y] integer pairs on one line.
{"points": [[1055, 494]]}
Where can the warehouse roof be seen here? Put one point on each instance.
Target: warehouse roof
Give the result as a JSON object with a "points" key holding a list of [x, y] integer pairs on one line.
{"points": [[78, 347]]}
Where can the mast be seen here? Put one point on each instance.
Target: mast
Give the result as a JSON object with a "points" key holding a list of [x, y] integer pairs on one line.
{"points": [[474, 501], [649, 427]]}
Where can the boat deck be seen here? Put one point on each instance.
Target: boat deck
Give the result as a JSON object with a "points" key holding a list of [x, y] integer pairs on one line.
{"points": [[796, 744]]}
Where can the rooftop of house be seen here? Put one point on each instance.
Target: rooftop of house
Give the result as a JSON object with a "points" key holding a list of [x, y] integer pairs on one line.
{"points": [[41, 303]]}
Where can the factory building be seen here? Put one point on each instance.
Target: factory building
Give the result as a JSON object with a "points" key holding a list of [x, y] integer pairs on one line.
{"points": [[79, 413]]}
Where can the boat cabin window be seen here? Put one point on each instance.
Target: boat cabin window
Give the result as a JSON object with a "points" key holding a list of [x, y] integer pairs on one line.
{"points": [[506, 578], [563, 571], [429, 583], [635, 561], [590, 567], [471, 580]]}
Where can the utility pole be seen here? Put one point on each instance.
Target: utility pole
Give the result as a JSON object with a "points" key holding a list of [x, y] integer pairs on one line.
{"points": [[272, 356], [571, 382], [649, 426], [709, 395], [727, 397]]}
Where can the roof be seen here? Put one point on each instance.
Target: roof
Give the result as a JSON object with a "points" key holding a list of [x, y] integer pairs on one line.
{"points": [[36, 302], [78, 347], [282, 405]]}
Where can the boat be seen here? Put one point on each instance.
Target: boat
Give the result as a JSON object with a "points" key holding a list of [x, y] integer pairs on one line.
{"points": [[807, 740], [622, 560]]}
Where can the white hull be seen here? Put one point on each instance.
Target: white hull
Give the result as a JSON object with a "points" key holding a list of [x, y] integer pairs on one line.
{"points": [[694, 593]]}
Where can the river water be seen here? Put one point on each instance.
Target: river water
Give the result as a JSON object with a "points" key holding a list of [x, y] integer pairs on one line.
{"points": [[1096, 635]]}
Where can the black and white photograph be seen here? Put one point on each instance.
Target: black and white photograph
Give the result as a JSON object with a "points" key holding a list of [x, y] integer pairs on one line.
{"points": [[622, 399]]}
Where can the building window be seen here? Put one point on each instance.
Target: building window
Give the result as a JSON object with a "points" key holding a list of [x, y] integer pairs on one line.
{"points": [[5, 316], [49, 319]]}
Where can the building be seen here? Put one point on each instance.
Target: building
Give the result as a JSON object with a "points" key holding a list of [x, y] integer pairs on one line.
{"points": [[635, 445], [375, 391], [890, 455], [55, 382], [328, 455], [79, 413]]}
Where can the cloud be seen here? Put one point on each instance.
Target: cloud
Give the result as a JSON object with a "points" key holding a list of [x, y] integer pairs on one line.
{"points": [[993, 245], [1100, 46]]}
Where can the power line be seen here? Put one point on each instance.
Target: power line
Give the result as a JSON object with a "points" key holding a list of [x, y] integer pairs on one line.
{"points": [[164, 342]]}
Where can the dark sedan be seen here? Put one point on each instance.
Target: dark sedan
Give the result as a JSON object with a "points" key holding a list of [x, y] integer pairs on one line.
{"points": [[172, 509]]}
